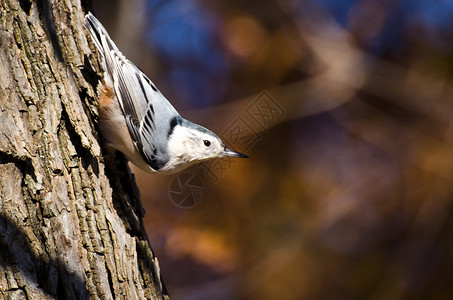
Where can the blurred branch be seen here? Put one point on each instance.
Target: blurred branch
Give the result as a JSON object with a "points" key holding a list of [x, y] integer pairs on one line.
{"points": [[342, 76], [406, 143], [348, 70]]}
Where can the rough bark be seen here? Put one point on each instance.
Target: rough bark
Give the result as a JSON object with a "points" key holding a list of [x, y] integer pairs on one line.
{"points": [[69, 228]]}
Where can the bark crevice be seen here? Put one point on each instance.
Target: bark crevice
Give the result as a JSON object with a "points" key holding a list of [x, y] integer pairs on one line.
{"points": [[69, 227]]}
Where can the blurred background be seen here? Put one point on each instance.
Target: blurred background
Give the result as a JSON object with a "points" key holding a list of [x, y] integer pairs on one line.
{"points": [[345, 108]]}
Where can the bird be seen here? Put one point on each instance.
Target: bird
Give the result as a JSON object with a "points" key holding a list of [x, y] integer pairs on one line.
{"points": [[137, 120]]}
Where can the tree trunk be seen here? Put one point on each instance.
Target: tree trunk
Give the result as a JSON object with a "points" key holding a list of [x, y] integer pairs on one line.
{"points": [[69, 227]]}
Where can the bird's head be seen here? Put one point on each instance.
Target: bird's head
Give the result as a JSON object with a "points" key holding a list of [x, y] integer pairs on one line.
{"points": [[190, 143]]}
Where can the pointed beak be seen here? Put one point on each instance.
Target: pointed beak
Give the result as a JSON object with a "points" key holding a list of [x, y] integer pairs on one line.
{"points": [[229, 152]]}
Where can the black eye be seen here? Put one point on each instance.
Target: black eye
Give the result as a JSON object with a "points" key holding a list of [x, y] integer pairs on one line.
{"points": [[207, 143]]}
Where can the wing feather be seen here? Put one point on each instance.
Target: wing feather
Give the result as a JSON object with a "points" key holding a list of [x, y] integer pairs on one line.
{"points": [[146, 111]]}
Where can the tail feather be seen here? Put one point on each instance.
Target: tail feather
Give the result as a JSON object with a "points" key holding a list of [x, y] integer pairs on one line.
{"points": [[105, 46], [99, 35]]}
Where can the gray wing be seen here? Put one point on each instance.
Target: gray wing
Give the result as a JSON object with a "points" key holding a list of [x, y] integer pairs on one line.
{"points": [[147, 113]]}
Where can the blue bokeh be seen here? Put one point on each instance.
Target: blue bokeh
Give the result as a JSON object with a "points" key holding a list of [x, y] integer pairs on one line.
{"points": [[430, 21], [183, 32]]}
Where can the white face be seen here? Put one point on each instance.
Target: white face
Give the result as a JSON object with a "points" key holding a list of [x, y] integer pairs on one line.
{"points": [[187, 146]]}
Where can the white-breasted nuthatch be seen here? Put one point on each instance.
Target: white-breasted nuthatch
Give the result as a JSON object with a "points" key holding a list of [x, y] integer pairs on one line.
{"points": [[137, 120]]}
